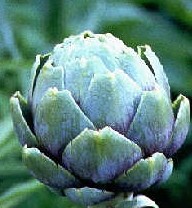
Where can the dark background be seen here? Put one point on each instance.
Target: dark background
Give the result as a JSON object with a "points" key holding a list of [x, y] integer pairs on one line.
{"points": [[30, 27]]}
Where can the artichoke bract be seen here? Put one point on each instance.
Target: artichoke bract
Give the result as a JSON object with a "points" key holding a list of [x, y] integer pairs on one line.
{"points": [[99, 120]]}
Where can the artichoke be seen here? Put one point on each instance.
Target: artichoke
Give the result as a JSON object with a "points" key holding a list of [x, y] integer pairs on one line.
{"points": [[99, 120]]}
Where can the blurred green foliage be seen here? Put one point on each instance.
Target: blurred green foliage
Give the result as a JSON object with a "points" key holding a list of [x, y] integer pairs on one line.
{"points": [[29, 27]]}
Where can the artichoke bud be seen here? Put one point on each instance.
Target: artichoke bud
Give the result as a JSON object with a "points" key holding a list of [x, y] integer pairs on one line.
{"points": [[99, 120]]}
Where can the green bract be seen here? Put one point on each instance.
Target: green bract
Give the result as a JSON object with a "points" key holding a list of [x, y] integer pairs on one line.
{"points": [[99, 120]]}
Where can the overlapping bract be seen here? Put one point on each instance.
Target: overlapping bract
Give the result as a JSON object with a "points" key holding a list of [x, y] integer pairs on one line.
{"points": [[99, 120]]}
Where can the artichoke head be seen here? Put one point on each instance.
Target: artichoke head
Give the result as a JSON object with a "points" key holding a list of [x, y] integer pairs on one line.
{"points": [[99, 120]]}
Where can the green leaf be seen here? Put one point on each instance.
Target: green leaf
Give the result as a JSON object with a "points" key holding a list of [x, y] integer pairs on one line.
{"points": [[20, 115], [58, 120], [18, 193], [181, 109], [143, 174], [112, 100], [101, 155], [47, 171], [88, 196], [152, 125], [49, 76], [157, 68]]}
